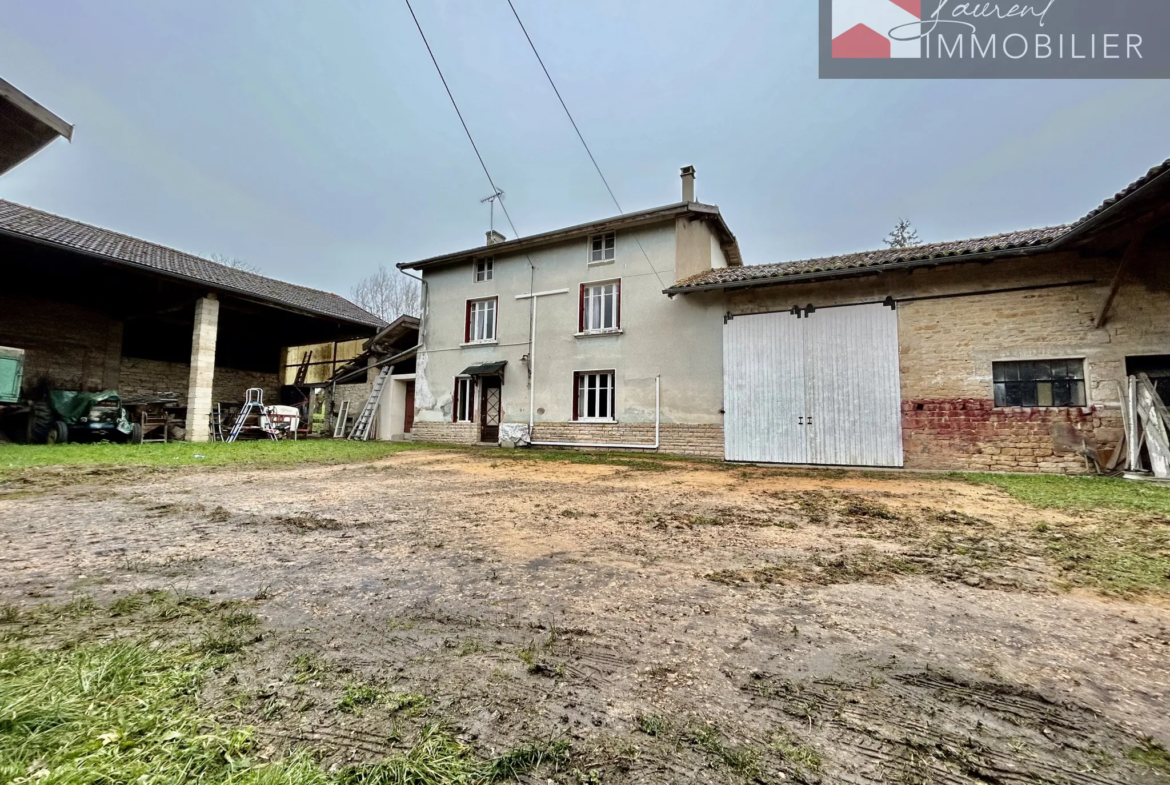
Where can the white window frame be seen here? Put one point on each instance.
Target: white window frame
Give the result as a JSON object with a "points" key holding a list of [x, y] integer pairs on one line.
{"points": [[585, 320], [608, 387], [606, 252], [472, 330], [465, 399], [484, 270]]}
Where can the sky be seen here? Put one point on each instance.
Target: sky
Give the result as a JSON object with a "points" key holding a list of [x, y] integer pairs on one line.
{"points": [[314, 139]]}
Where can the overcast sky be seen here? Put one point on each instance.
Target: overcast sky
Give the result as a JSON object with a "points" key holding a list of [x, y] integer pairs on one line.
{"points": [[314, 138]]}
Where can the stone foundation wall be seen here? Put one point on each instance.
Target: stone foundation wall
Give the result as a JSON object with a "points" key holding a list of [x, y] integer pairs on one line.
{"points": [[446, 432], [704, 441], [971, 434]]}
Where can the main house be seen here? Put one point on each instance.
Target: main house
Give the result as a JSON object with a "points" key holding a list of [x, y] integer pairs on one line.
{"points": [[647, 330]]}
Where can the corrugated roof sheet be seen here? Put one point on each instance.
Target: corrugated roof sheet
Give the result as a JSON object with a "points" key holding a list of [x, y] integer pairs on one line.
{"points": [[16, 219]]}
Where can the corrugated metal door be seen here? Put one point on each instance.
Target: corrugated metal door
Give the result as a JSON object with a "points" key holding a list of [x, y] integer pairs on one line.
{"points": [[821, 389], [764, 388], [853, 405]]}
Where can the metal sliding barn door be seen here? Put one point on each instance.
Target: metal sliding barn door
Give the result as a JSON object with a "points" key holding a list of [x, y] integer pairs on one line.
{"points": [[763, 388], [821, 389], [853, 411]]}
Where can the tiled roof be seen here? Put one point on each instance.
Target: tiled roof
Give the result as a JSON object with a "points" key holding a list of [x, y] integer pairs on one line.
{"points": [[1130, 189], [918, 254], [730, 276], [22, 221]]}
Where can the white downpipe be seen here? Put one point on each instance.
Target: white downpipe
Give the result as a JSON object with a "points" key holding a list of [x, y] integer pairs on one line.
{"points": [[657, 421], [532, 392]]}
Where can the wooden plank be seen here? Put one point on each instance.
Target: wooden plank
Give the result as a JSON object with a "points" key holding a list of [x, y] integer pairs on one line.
{"points": [[1131, 251]]}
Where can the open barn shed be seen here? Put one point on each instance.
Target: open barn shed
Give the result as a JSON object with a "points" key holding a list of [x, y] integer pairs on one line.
{"points": [[98, 310]]}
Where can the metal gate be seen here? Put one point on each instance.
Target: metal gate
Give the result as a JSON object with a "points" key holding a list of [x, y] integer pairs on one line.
{"points": [[818, 388]]}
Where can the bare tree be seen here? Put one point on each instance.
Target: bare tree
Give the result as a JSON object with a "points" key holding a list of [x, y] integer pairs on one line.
{"points": [[388, 294], [234, 263], [903, 236]]}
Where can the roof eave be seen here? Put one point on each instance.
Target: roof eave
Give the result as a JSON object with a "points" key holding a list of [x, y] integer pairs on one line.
{"points": [[520, 245], [217, 287], [852, 272]]}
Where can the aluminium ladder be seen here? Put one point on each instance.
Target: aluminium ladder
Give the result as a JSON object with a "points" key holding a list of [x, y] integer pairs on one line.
{"points": [[361, 428], [253, 404]]}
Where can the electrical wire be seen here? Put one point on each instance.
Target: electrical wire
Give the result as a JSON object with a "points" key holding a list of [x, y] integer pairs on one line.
{"points": [[463, 122], [580, 136]]}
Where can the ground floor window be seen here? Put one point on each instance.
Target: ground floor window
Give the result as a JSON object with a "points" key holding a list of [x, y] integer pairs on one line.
{"points": [[464, 399], [594, 395], [1039, 383]]}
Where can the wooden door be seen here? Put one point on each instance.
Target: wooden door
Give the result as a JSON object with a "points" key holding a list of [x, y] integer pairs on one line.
{"points": [[489, 409], [408, 415]]}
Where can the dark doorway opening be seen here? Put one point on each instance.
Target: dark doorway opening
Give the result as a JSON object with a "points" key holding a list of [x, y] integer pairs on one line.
{"points": [[1157, 367]]}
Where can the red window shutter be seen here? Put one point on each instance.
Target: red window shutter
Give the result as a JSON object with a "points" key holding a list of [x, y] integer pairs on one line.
{"points": [[617, 324], [455, 402], [576, 381], [580, 318], [467, 324]]}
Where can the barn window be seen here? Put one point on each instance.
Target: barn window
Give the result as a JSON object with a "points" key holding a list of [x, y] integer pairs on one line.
{"points": [[1039, 383]]}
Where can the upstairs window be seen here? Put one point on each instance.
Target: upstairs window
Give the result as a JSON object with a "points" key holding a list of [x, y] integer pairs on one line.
{"points": [[602, 248], [481, 321], [464, 399], [601, 307], [594, 396], [1039, 383], [483, 270]]}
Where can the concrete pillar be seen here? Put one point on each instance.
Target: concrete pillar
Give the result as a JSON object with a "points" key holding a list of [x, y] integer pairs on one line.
{"points": [[202, 368]]}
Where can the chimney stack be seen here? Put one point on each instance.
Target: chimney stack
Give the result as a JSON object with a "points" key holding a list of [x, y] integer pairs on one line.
{"points": [[688, 183], [494, 237]]}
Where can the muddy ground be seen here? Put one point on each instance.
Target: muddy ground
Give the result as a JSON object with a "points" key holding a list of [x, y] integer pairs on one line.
{"points": [[670, 622]]}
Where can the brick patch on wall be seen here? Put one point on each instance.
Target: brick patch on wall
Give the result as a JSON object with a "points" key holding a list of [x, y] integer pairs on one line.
{"points": [[971, 434]]}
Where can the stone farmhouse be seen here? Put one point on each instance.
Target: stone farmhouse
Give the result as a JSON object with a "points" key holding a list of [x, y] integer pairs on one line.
{"points": [[648, 331]]}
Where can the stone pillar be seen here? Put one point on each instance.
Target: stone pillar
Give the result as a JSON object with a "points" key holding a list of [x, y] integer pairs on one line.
{"points": [[202, 368]]}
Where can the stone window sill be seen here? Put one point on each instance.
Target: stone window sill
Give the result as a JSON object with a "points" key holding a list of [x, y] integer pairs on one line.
{"points": [[479, 343], [597, 333], [594, 421]]}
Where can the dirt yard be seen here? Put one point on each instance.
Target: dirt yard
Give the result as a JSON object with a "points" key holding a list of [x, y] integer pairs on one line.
{"points": [[669, 621]]}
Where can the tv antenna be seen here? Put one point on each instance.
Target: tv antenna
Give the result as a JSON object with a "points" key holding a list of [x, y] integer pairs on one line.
{"points": [[491, 200]]}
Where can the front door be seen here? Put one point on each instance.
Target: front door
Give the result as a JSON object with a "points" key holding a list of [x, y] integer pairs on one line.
{"points": [[489, 408], [408, 415]]}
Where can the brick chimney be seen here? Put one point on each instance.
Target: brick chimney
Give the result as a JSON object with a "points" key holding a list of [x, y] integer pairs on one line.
{"points": [[494, 237], [688, 183]]}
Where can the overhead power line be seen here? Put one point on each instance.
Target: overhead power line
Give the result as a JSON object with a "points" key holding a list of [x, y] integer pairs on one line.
{"points": [[466, 130], [580, 136]]}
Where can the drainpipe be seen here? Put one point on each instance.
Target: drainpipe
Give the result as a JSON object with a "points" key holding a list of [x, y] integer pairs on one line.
{"points": [[657, 422]]}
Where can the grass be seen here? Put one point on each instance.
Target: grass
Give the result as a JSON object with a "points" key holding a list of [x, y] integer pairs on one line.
{"points": [[1151, 753], [130, 710], [256, 454], [1080, 493], [122, 712], [1119, 558]]}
